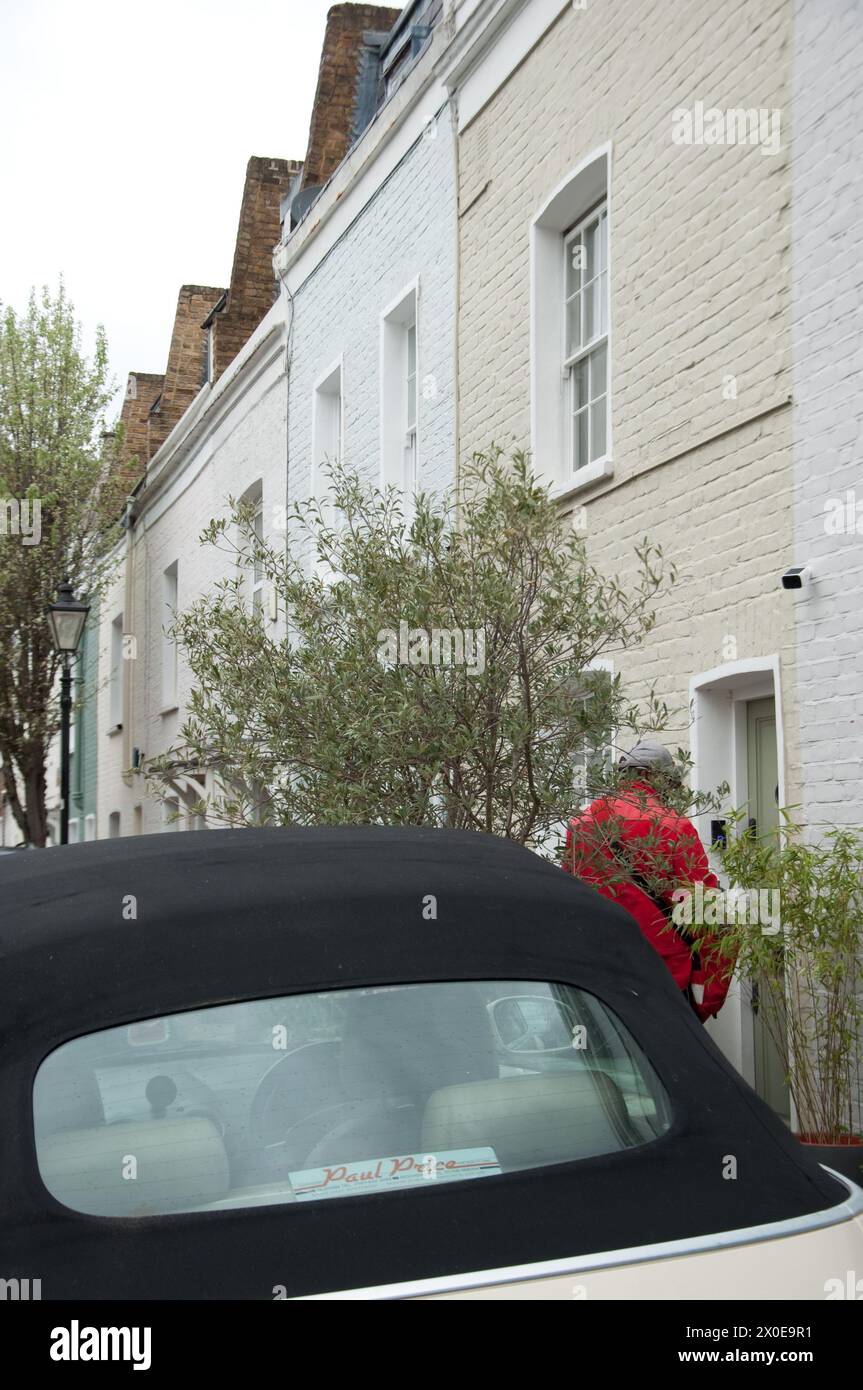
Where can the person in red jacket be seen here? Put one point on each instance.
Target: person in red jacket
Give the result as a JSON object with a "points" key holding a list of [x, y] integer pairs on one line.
{"points": [[636, 851]]}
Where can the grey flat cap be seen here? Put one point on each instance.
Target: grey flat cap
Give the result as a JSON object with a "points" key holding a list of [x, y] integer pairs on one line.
{"points": [[647, 754]]}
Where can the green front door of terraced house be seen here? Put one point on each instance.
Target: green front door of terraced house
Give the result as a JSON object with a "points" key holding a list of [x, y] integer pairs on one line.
{"points": [[763, 796]]}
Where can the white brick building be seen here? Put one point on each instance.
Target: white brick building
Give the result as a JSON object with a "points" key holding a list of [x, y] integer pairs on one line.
{"points": [[827, 316], [368, 290], [625, 311], [370, 275], [230, 442], [543, 239]]}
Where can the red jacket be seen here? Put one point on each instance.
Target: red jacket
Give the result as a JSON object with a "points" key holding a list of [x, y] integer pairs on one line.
{"points": [[663, 849]]}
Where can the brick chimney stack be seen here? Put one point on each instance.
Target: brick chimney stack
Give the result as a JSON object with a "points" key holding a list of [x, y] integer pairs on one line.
{"points": [[332, 126], [142, 389], [186, 369], [211, 325], [253, 285]]}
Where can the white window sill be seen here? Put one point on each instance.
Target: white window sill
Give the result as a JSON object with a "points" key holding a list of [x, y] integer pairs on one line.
{"points": [[591, 473]]}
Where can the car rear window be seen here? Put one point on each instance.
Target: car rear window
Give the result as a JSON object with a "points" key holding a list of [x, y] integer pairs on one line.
{"points": [[320, 1096]]}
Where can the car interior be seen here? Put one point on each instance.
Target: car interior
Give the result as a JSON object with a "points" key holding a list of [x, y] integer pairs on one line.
{"points": [[192, 1121]]}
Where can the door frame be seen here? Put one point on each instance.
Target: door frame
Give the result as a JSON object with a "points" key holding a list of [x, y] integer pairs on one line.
{"points": [[736, 682], [718, 746]]}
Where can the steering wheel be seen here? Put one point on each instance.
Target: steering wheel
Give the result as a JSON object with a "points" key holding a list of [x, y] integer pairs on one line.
{"points": [[297, 1086]]}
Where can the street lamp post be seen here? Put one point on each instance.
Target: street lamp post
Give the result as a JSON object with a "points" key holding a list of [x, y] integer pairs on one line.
{"points": [[67, 618]]}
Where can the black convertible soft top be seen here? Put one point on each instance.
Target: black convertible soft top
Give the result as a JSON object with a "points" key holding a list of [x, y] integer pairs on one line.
{"points": [[245, 914]]}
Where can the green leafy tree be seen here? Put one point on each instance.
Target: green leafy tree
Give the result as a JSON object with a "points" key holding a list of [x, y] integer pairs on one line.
{"points": [[60, 498], [357, 716]]}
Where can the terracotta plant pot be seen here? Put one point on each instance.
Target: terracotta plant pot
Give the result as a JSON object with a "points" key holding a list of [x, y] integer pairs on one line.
{"points": [[844, 1154]]}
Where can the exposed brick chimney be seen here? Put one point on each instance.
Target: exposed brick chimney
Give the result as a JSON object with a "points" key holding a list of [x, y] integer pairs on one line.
{"points": [[142, 388], [185, 372], [154, 404], [253, 283], [332, 126]]}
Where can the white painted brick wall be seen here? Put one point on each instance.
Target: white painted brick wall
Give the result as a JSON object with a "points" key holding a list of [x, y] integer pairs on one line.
{"points": [[827, 313], [700, 262], [243, 446], [406, 231], [111, 791]]}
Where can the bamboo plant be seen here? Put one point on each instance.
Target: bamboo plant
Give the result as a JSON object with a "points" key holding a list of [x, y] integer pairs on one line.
{"points": [[811, 995]]}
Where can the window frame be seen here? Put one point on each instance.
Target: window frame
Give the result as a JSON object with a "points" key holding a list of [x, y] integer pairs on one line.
{"points": [[170, 654], [399, 437], [255, 579], [328, 421], [116, 680], [257, 567], [587, 351], [604, 664], [411, 399], [578, 195]]}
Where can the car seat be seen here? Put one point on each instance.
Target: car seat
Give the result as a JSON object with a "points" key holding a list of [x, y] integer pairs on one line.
{"points": [[124, 1169], [531, 1120], [178, 1164], [398, 1047]]}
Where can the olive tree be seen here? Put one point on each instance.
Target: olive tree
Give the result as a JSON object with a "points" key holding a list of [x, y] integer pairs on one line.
{"points": [[434, 670]]}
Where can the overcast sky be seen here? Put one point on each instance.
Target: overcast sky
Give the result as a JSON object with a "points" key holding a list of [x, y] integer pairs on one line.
{"points": [[126, 131]]}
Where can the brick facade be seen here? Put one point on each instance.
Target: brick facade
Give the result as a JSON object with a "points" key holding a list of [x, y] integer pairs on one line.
{"points": [[700, 290]]}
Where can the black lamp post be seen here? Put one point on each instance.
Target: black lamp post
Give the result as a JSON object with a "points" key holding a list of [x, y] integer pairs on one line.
{"points": [[67, 618]]}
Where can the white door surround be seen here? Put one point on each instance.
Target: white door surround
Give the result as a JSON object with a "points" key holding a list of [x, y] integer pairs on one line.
{"points": [[718, 699], [718, 744]]}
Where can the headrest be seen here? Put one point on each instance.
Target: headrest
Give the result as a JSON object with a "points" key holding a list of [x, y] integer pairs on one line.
{"points": [[135, 1169], [530, 1120], [415, 1040], [66, 1096]]}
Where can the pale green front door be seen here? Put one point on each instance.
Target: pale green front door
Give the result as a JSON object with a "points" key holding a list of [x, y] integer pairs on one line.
{"points": [[763, 787]]}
